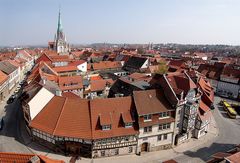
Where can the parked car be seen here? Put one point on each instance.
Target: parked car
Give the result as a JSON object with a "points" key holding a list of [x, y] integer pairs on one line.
{"points": [[11, 99], [1, 123]]}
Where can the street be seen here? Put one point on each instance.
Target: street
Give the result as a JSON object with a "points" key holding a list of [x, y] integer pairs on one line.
{"points": [[229, 132], [10, 136]]}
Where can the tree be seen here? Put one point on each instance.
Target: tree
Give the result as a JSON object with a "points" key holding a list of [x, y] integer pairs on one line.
{"points": [[162, 68]]}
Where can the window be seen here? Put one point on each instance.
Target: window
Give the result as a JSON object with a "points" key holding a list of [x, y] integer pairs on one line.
{"points": [[163, 114], [106, 127], [116, 152], [144, 139], [178, 124], [165, 137], [127, 125], [147, 117], [148, 129], [102, 153], [179, 111], [130, 149], [164, 126], [159, 137]]}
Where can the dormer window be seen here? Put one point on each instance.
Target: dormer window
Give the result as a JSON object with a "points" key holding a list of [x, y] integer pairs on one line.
{"points": [[128, 125], [127, 119], [106, 127], [164, 115], [147, 117], [106, 121]]}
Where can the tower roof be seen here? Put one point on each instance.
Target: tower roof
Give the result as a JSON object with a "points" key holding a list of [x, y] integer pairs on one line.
{"points": [[60, 28]]}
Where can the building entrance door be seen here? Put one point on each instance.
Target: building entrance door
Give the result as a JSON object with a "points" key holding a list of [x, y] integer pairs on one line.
{"points": [[144, 147]]}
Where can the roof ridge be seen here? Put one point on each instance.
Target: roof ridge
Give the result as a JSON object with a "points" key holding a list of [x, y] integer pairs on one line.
{"points": [[90, 117], [60, 115]]}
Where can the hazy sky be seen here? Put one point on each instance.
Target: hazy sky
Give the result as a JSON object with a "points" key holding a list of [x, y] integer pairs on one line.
{"points": [[34, 22]]}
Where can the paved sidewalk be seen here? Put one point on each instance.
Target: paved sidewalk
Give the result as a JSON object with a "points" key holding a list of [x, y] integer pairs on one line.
{"points": [[157, 156]]}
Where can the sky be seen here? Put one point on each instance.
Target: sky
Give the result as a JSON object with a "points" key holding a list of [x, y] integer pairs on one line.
{"points": [[34, 22]]}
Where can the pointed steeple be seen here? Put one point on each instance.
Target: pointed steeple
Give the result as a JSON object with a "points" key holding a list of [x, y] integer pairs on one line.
{"points": [[60, 28]]}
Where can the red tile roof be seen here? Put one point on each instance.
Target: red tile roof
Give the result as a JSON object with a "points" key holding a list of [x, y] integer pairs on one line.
{"points": [[99, 85], [109, 111], [76, 63], [3, 77], [81, 118], [181, 82], [154, 102], [203, 107], [208, 92], [70, 82], [106, 65], [60, 58], [69, 95], [7, 157], [65, 69], [235, 158], [64, 117], [97, 77]]}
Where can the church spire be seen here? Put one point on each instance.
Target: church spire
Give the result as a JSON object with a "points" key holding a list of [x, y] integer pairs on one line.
{"points": [[59, 29]]}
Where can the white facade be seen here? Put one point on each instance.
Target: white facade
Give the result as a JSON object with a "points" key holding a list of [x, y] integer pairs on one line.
{"points": [[30, 60], [226, 89], [13, 78], [37, 103], [83, 67], [146, 63], [153, 140]]}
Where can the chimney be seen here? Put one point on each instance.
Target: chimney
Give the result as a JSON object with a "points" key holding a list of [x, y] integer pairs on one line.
{"points": [[44, 80]]}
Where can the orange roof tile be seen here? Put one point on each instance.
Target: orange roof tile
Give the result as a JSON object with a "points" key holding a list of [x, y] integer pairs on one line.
{"points": [[64, 117], [70, 82], [69, 95], [106, 65], [235, 158], [180, 81], [65, 68], [203, 106], [154, 102], [3, 77], [98, 85], [114, 107], [7, 157]]}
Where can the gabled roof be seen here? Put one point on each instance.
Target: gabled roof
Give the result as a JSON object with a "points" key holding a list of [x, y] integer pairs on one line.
{"points": [[60, 58], [3, 77], [65, 68], [203, 107], [180, 82], [99, 85], [235, 158], [110, 110], [7, 67], [106, 65], [150, 102], [70, 82], [208, 92], [76, 63], [135, 62], [64, 117], [7, 157]]}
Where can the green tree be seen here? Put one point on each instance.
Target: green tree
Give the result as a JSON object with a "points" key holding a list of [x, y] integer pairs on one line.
{"points": [[162, 68]]}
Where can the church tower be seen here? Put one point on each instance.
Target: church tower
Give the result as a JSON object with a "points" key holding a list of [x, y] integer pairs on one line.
{"points": [[60, 42]]}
